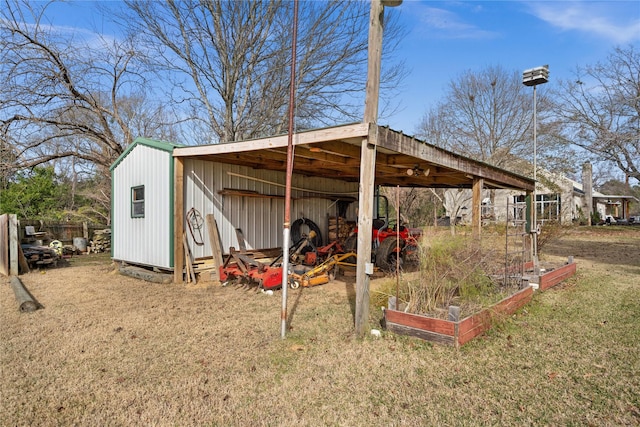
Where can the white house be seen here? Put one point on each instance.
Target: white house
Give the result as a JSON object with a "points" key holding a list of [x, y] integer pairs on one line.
{"points": [[558, 198]]}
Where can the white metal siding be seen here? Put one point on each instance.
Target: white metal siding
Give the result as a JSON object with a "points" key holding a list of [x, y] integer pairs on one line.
{"points": [[143, 240], [261, 219]]}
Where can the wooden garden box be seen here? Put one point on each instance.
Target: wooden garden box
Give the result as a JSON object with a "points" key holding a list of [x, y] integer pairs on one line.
{"points": [[460, 332]]}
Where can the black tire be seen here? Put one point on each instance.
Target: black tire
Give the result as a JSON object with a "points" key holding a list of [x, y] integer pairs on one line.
{"points": [[296, 231], [387, 255]]}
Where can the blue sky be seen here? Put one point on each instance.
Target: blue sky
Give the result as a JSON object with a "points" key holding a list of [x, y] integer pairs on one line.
{"points": [[447, 38]]}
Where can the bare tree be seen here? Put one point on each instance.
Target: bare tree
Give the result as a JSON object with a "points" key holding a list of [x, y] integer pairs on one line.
{"points": [[418, 206], [487, 115], [229, 61], [66, 97], [600, 110]]}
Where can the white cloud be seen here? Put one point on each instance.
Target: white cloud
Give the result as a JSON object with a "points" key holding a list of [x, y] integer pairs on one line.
{"points": [[617, 21], [78, 37], [443, 23]]}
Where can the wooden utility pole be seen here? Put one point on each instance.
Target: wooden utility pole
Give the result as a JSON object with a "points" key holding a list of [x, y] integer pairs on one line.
{"points": [[368, 164]]}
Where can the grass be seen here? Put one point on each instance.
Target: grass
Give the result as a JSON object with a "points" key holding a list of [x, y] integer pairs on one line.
{"points": [[111, 350]]}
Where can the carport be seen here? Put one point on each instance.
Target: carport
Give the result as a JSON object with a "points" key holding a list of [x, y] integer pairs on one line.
{"points": [[366, 153], [343, 153]]}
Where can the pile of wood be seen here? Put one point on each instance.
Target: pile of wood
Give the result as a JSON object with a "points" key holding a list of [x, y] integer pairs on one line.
{"points": [[101, 241], [339, 228], [38, 256]]}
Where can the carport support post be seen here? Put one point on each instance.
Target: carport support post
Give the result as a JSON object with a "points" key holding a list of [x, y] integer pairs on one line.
{"points": [[178, 219], [365, 223], [476, 202], [367, 167]]}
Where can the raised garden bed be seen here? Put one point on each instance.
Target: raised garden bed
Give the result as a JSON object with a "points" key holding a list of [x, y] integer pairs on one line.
{"points": [[553, 275], [460, 332]]}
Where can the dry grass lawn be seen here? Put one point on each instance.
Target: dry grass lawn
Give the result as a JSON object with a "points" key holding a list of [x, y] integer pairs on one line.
{"points": [[111, 350]]}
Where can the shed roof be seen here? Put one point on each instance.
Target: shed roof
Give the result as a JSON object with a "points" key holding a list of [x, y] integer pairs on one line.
{"points": [[335, 152], [160, 145]]}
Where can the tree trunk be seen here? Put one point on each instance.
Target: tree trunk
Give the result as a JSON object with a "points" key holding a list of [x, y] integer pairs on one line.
{"points": [[25, 300]]}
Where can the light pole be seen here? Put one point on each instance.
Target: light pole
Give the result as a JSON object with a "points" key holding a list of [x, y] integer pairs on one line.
{"points": [[534, 77]]}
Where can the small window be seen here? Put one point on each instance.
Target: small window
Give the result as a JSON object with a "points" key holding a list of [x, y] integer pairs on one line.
{"points": [[137, 202]]}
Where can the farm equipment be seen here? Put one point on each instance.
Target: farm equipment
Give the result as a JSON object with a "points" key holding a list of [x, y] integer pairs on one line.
{"points": [[244, 264], [392, 244], [321, 274], [240, 265]]}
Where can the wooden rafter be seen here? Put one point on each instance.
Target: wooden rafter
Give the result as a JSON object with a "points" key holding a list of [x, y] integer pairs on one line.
{"points": [[335, 152]]}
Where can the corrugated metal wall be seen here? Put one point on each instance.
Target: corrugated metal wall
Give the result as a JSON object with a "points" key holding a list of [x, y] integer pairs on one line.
{"points": [[260, 219], [143, 240]]}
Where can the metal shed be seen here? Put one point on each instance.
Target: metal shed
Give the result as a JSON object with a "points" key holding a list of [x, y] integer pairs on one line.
{"points": [[142, 186]]}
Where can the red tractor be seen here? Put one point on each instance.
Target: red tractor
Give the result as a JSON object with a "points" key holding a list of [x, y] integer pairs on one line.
{"points": [[391, 244]]}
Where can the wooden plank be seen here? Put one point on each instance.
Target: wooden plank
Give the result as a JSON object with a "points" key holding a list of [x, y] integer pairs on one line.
{"points": [[22, 261], [241, 242], [475, 325], [419, 333], [191, 275], [440, 326], [556, 276], [13, 245], [253, 253], [187, 264], [4, 244], [357, 130], [214, 242], [247, 193], [178, 220]]}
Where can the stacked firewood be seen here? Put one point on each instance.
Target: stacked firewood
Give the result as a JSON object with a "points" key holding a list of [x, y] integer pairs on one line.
{"points": [[101, 241], [339, 228]]}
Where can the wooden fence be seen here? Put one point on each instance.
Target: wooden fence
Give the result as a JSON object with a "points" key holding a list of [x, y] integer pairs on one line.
{"points": [[8, 245], [12, 232], [62, 231]]}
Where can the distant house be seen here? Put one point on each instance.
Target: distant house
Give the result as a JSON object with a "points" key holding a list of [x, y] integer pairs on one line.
{"points": [[558, 198]]}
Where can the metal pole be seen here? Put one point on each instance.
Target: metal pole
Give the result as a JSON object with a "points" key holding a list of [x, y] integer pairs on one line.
{"points": [[397, 245], [535, 171], [286, 230]]}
